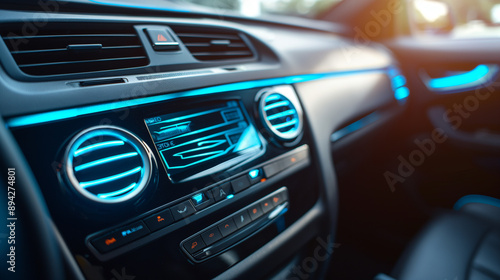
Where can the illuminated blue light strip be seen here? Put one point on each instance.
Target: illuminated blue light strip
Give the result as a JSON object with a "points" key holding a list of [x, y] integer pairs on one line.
{"points": [[398, 81], [119, 192], [105, 160], [355, 126], [140, 7], [276, 105], [230, 196], [289, 123], [470, 77], [273, 97], [401, 93], [76, 112], [111, 178], [282, 114], [474, 198], [94, 147]]}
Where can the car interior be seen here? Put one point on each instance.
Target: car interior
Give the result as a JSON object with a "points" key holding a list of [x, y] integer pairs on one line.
{"points": [[249, 139]]}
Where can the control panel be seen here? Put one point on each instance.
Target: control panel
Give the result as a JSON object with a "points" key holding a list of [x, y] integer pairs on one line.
{"points": [[201, 178], [236, 227]]}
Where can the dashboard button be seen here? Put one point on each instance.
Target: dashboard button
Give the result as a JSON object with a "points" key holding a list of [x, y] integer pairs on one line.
{"points": [[240, 183], [255, 175], [211, 236], [255, 212], [194, 244], [272, 169], [267, 205], [221, 192], [159, 220], [227, 227], [108, 242], [133, 231], [277, 199], [162, 40], [182, 210], [242, 219]]}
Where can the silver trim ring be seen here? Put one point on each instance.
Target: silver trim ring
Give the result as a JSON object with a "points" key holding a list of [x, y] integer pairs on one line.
{"points": [[99, 131], [288, 92]]}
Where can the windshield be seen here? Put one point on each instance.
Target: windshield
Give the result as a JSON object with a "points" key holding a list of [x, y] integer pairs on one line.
{"points": [[256, 8]]}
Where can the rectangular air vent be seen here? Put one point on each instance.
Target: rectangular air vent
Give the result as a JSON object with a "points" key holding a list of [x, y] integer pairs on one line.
{"points": [[209, 44], [60, 48]]}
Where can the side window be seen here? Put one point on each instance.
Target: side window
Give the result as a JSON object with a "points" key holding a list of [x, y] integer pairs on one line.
{"points": [[455, 18]]}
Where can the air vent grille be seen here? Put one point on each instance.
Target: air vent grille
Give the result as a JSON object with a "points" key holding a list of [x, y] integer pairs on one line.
{"points": [[67, 49], [208, 44], [108, 165], [281, 112]]}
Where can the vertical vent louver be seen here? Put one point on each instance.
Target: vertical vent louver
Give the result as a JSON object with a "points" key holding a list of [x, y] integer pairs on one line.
{"points": [[281, 113], [108, 165], [209, 44], [65, 48]]}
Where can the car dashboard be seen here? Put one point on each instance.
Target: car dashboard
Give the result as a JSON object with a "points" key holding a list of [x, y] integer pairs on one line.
{"points": [[188, 147]]}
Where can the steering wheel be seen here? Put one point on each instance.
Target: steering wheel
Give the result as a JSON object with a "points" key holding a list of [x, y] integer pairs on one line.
{"points": [[28, 245]]}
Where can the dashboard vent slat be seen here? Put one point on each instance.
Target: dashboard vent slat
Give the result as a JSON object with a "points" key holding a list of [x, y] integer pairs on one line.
{"points": [[281, 112], [107, 165], [209, 44], [62, 49]]}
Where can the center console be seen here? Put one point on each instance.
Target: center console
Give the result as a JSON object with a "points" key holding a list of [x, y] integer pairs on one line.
{"points": [[159, 188]]}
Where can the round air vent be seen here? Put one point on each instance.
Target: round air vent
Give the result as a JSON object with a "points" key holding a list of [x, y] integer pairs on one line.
{"points": [[107, 164], [281, 113]]}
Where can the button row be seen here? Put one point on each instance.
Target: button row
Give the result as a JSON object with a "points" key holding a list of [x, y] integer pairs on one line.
{"points": [[233, 223], [200, 201], [284, 163], [180, 211]]}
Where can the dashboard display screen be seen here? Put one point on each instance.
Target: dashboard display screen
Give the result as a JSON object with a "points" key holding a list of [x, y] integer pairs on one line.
{"points": [[199, 142]]}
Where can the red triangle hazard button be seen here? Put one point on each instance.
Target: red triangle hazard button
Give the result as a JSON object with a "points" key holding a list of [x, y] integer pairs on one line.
{"points": [[161, 38]]}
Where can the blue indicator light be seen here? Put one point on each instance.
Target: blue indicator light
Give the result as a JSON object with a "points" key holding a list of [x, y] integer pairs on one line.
{"points": [[111, 178], [94, 147], [116, 193], [132, 230], [230, 196], [401, 93], [105, 160], [198, 198], [398, 81], [474, 76], [254, 173]]}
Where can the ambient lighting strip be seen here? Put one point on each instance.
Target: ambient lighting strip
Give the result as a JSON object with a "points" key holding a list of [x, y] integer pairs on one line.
{"points": [[480, 75], [87, 110]]}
